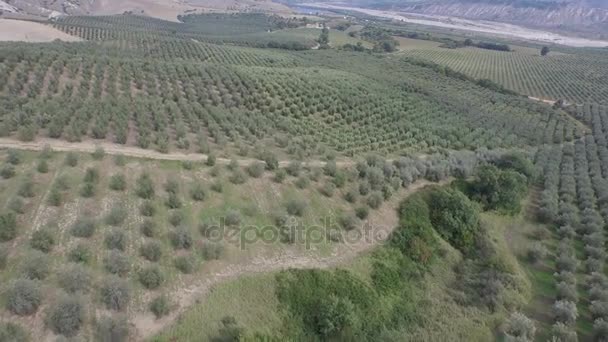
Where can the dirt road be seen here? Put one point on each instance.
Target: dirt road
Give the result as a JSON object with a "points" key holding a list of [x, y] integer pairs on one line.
{"points": [[136, 152]]}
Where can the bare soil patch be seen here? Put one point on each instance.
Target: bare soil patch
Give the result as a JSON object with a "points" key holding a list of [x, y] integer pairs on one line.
{"points": [[29, 31]]}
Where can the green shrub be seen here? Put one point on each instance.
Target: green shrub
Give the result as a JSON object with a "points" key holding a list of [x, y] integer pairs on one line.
{"points": [[26, 189], [339, 179], [7, 171], [120, 160], [181, 238], [113, 328], [415, 236], [255, 170], [211, 250], [184, 264], [23, 297], [364, 188], [177, 218], [148, 228], [328, 189], [117, 215], [144, 186], [375, 200], [350, 196], [147, 209], [118, 182], [115, 293], [8, 226], [3, 256], [43, 166], [349, 222], [217, 187], [99, 153], [454, 217], [66, 316], [302, 182], [83, 228], [91, 175], [294, 168], [151, 277], [43, 240], [271, 161], [71, 159], [117, 263], [13, 157], [362, 212], [80, 254], [210, 160], [496, 189], [296, 207], [160, 306], [75, 279], [116, 239], [172, 186], [330, 168], [152, 251], [36, 266], [87, 190], [279, 176], [173, 201], [197, 192], [55, 198], [238, 177], [232, 218], [11, 332], [187, 165]]}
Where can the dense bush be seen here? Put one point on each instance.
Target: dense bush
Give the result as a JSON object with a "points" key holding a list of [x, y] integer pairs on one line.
{"points": [[181, 238], [565, 312], [43, 240], [117, 263], [75, 279], [11, 332], [454, 217], [26, 189], [255, 170], [160, 306], [144, 187], [36, 265], [415, 236], [211, 250], [176, 218], [115, 293], [66, 316], [296, 207], [197, 192], [43, 166], [151, 277], [118, 182], [7, 171], [184, 264], [147, 209], [115, 239], [71, 159], [148, 228], [117, 215], [498, 190], [152, 250], [519, 328], [80, 254], [173, 201], [238, 177], [23, 297], [375, 200], [8, 226]]}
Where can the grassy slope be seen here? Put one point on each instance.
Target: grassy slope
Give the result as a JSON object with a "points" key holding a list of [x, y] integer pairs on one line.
{"points": [[440, 314]]}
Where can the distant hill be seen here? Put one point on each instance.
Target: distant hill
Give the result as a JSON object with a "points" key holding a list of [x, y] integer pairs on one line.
{"points": [[589, 17], [166, 9]]}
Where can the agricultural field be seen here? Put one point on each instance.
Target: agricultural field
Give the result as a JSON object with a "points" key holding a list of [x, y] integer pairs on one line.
{"points": [[153, 86], [575, 77], [135, 237], [155, 174]]}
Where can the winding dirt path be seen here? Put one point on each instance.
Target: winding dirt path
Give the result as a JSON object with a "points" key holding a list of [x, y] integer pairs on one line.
{"points": [[378, 227], [136, 152]]}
